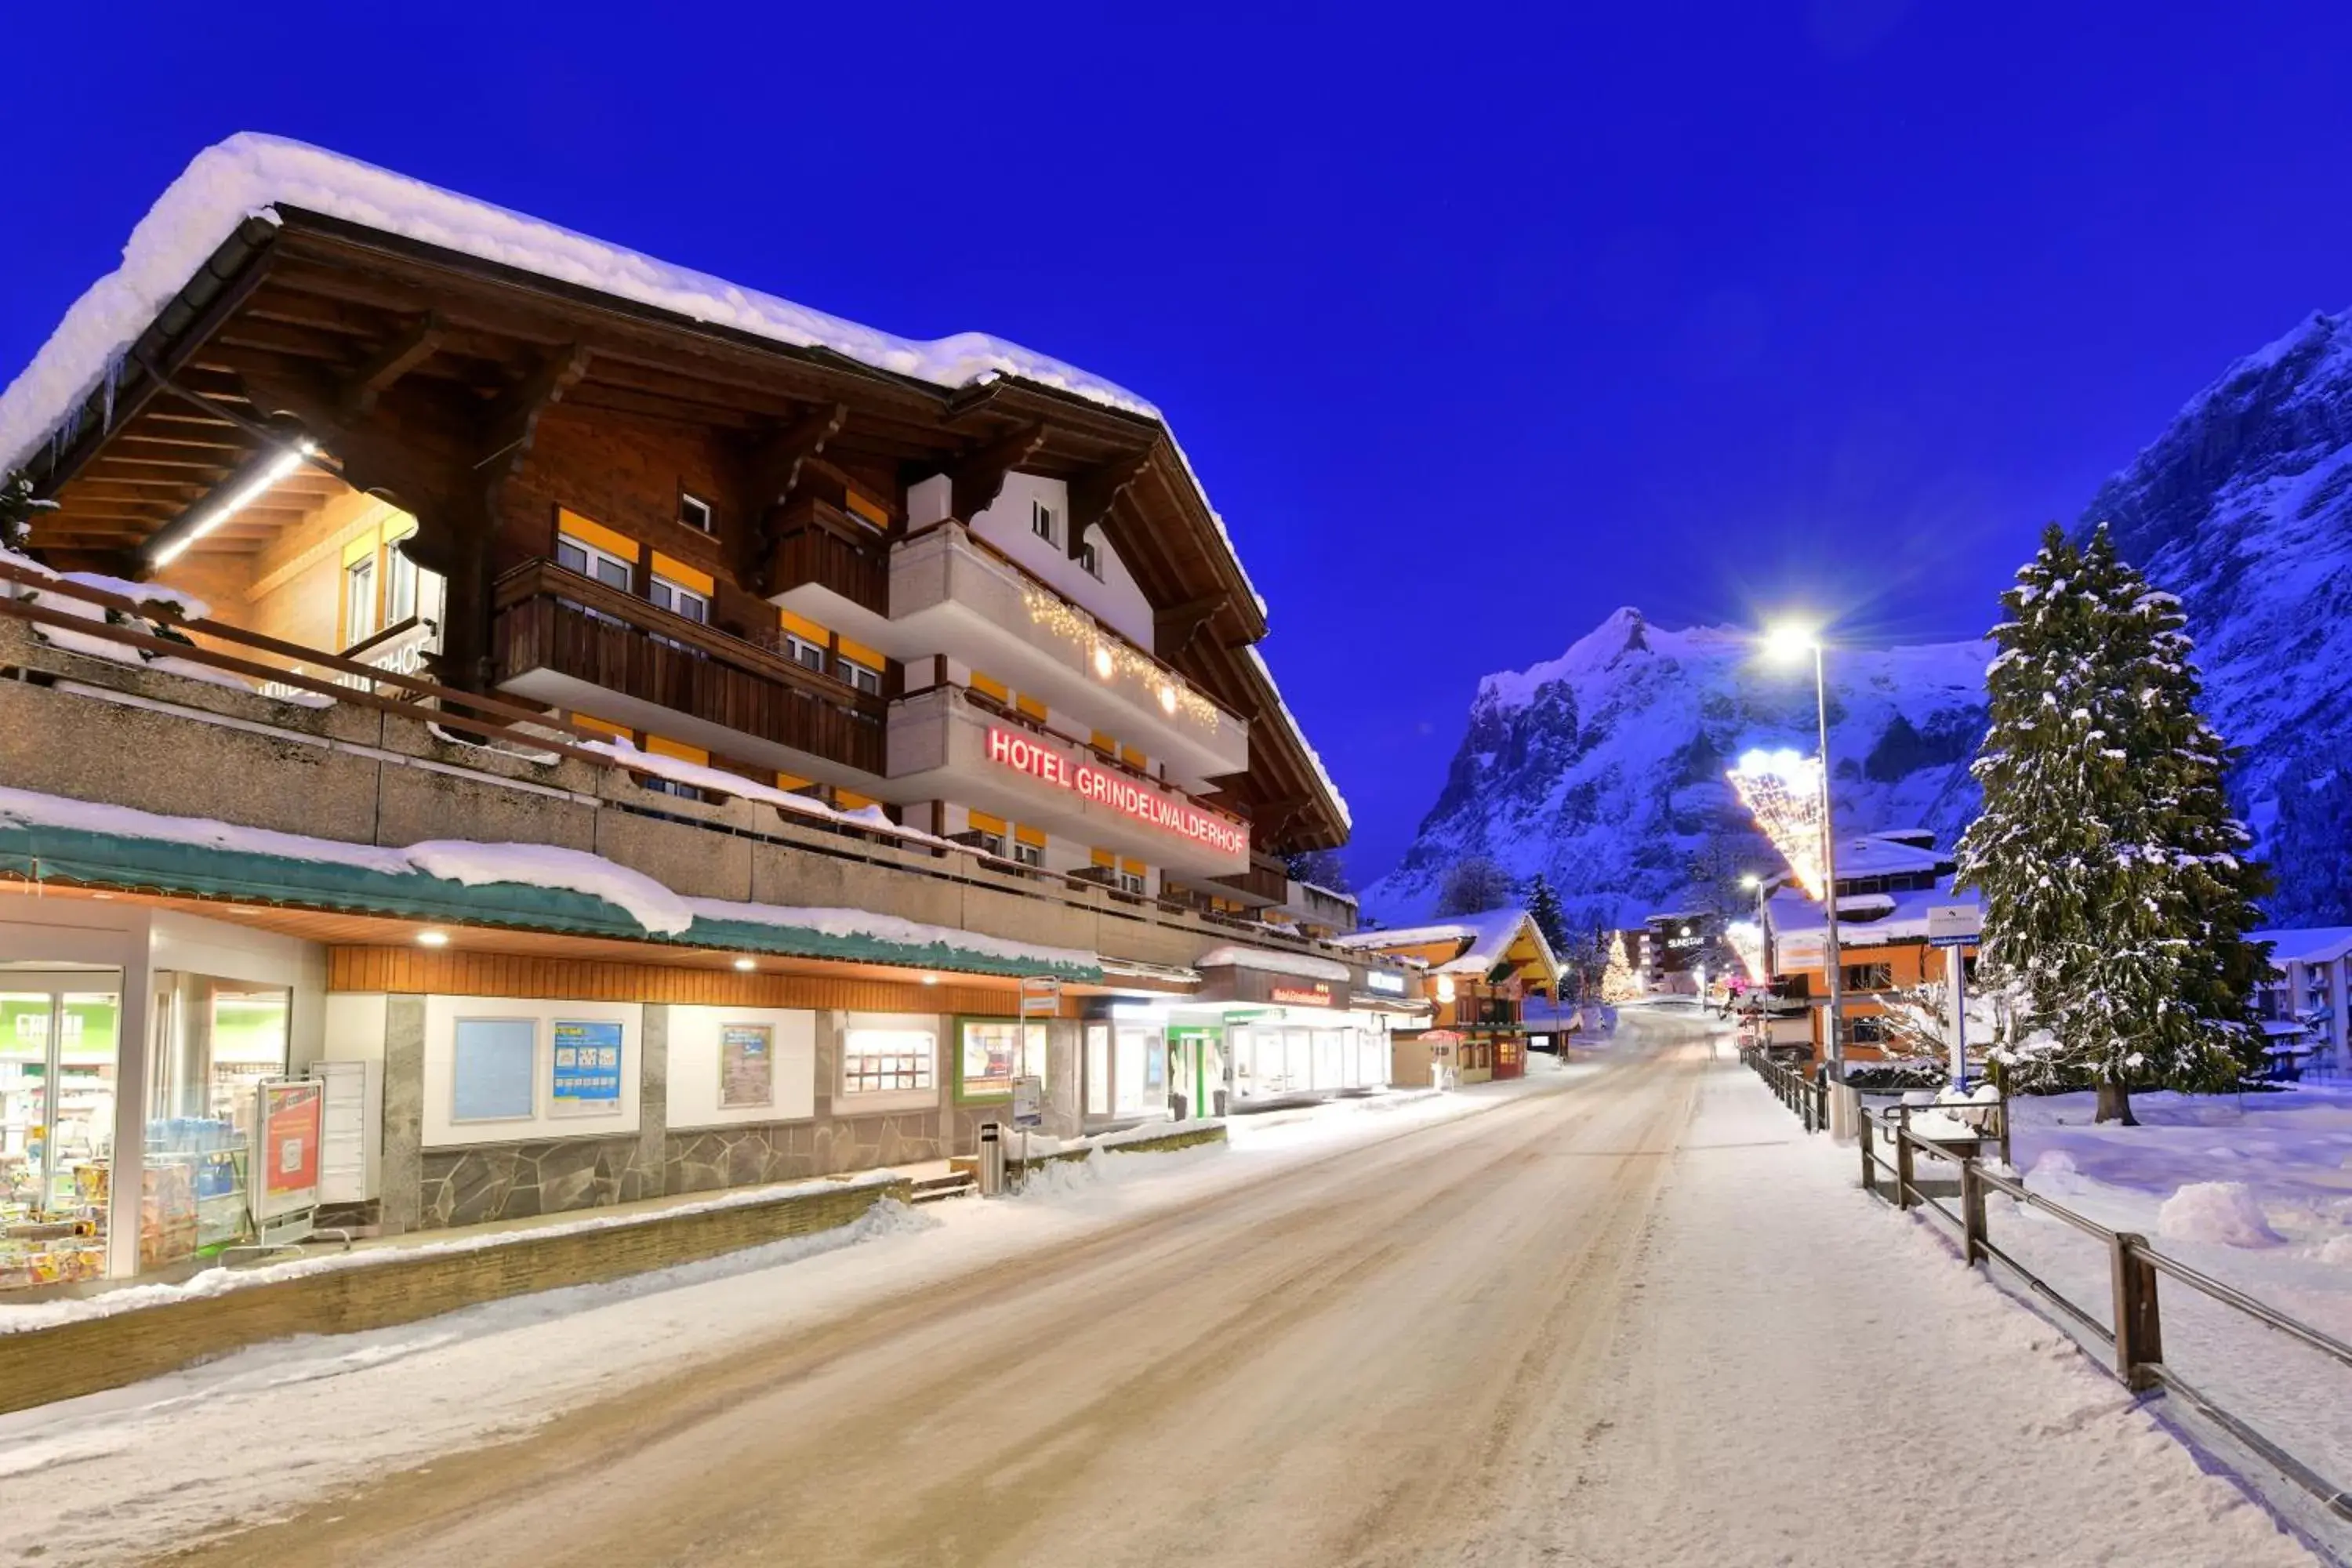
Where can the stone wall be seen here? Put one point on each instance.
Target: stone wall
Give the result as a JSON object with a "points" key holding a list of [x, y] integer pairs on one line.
{"points": [[87, 1355]]}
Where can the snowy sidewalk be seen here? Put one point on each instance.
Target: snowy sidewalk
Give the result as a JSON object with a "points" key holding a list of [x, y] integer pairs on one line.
{"points": [[1812, 1379]]}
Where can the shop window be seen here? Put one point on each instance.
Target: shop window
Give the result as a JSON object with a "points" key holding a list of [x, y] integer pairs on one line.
{"points": [[57, 1083], [579, 556], [359, 600], [1042, 522], [695, 513], [992, 1052], [885, 1061], [867, 680]]}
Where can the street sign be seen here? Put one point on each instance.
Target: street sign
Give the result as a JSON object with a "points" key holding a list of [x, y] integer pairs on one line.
{"points": [[1028, 1103], [1953, 925], [1041, 997]]}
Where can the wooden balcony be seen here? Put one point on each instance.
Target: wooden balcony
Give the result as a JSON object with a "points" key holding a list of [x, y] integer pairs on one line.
{"points": [[556, 622], [815, 543]]}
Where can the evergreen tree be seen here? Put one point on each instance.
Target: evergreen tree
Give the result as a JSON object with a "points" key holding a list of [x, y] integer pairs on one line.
{"points": [[1543, 907], [2116, 888], [17, 509], [1324, 868], [1472, 885]]}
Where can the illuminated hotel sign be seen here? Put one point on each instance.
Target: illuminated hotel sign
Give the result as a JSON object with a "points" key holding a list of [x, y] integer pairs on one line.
{"points": [[1385, 982], [1122, 795], [1317, 995]]}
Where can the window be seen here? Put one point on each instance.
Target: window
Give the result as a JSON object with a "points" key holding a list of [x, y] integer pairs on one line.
{"points": [[399, 586], [605, 567], [995, 1051], [866, 680], [882, 1061], [806, 653], [990, 842], [1090, 561], [1041, 522], [1869, 1031], [359, 600], [1130, 881], [693, 511], [1029, 854], [1869, 976], [680, 600]]}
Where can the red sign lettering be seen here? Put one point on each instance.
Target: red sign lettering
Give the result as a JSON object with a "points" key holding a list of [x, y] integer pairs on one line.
{"points": [[1122, 795]]}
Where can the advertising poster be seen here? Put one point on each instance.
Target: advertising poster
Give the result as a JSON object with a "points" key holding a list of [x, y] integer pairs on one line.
{"points": [[746, 1065], [587, 1070], [286, 1173]]}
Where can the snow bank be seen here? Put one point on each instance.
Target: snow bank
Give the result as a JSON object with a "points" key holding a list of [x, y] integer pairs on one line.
{"points": [[2223, 1212]]}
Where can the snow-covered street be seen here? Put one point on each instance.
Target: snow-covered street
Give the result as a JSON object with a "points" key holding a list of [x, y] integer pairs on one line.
{"points": [[1623, 1313]]}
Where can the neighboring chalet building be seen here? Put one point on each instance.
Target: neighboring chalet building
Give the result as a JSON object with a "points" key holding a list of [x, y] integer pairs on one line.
{"points": [[1481, 971], [1886, 884], [640, 735], [2303, 1005]]}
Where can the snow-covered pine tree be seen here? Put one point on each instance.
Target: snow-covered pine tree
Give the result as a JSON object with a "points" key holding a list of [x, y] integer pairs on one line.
{"points": [[1472, 885], [2116, 888], [17, 509], [1543, 907]]}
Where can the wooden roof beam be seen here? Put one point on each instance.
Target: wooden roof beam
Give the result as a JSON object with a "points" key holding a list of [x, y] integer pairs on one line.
{"points": [[511, 423], [978, 478], [414, 344], [776, 462], [1094, 491]]}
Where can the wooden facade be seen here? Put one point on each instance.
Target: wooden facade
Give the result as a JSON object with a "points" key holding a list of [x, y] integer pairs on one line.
{"points": [[482, 400]]}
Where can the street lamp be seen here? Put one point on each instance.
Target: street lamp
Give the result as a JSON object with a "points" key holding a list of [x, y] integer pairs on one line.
{"points": [[1755, 884], [1788, 641]]}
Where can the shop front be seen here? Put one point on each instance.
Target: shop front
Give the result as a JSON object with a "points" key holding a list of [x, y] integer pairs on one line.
{"points": [[133, 1043]]}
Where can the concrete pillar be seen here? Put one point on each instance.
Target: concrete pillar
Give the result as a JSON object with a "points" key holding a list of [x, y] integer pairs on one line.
{"points": [[404, 1113], [128, 1175], [653, 1106]]}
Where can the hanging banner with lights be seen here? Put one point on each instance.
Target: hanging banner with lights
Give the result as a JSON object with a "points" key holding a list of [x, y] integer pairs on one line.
{"points": [[1045, 762], [1747, 939], [1783, 791]]}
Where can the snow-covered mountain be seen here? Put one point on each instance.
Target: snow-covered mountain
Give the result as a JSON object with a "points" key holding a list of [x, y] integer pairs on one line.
{"points": [[2243, 508], [1605, 768]]}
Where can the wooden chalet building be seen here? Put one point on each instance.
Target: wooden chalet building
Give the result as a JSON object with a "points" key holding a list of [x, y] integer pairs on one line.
{"points": [[1482, 971], [753, 696]]}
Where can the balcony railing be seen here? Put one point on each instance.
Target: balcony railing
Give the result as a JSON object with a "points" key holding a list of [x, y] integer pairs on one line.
{"points": [[815, 543], [549, 619]]}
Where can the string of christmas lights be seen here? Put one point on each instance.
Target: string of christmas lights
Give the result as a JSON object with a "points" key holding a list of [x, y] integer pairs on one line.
{"points": [[1782, 789], [1747, 939], [1112, 658]]}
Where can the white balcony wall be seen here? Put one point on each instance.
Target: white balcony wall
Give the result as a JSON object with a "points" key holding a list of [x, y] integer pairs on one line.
{"points": [[1113, 598], [938, 747], [949, 596]]}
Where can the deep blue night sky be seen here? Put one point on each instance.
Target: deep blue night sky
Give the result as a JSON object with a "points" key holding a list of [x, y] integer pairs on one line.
{"points": [[1474, 335]]}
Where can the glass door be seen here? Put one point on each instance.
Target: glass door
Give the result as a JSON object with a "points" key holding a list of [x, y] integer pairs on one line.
{"points": [[59, 1079]]}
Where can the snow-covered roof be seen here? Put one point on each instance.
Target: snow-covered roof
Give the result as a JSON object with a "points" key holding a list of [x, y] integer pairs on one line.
{"points": [[1870, 919], [1486, 937], [250, 175], [1303, 965], [2307, 944], [656, 909]]}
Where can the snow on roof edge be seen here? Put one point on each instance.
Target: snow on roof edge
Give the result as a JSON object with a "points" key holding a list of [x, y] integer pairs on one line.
{"points": [[250, 175]]}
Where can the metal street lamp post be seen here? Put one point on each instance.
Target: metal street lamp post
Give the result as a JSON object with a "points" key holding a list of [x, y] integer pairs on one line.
{"points": [[1784, 641]]}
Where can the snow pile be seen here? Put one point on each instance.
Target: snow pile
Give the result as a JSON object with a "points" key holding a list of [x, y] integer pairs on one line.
{"points": [[650, 904], [2226, 1213]]}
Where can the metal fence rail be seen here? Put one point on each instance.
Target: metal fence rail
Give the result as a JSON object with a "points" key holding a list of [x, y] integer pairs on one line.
{"points": [[2134, 1331], [1809, 1098]]}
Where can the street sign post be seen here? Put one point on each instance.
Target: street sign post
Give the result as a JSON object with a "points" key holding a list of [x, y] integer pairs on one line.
{"points": [[1953, 927], [1028, 1111]]}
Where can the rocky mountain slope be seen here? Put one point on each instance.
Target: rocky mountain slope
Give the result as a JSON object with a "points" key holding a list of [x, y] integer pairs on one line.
{"points": [[1605, 768], [2243, 508]]}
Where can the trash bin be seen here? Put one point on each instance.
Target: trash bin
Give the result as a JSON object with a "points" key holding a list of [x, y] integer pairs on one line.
{"points": [[991, 1160]]}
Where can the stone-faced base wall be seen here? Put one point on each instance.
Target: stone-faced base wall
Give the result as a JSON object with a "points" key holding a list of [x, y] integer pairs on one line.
{"points": [[403, 1286], [702, 1159], [515, 1181]]}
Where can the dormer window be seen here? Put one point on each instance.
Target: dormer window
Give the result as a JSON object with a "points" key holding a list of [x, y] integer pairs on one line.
{"points": [[695, 513], [1043, 524], [1092, 562]]}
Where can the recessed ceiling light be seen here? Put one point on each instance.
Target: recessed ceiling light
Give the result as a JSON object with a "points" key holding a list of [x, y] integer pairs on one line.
{"points": [[433, 938], [747, 963]]}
